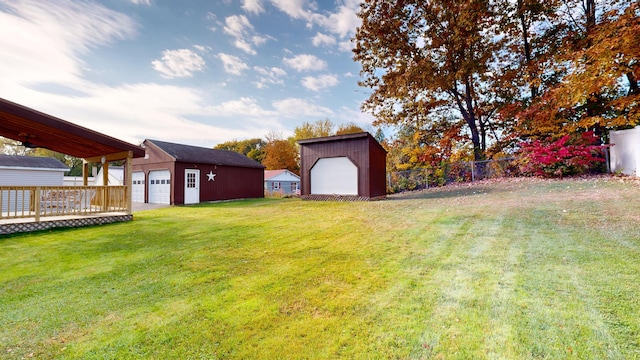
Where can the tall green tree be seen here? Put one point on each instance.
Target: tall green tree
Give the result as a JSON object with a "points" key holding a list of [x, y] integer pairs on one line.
{"points": [[425, 60], [252, 148]]}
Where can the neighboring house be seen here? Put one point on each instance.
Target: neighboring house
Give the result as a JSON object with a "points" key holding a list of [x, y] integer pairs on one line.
{"points": [[116, 178], [281, 182], [351, 167], [28, 171], [115, 174], [625, 151], [179, 174]]}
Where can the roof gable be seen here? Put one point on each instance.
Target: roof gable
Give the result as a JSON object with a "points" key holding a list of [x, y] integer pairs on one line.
{"points": [[280, 175], [32, 162], [344, 137], [202, 155]]}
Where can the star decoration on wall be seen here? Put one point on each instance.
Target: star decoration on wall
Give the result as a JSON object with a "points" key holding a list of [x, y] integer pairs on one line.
{"points": [[211, 176]]}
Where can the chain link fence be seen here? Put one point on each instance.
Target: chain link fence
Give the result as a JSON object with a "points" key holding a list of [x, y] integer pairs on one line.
{"points": [[424, 178]]}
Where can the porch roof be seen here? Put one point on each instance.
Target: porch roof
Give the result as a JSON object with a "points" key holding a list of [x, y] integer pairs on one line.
{"points": [[24, 124]]}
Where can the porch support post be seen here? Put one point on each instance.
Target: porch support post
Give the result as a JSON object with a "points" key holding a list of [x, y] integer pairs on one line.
{"points": [[85, 172], [128, 178], [105, 173], [36, 203]]}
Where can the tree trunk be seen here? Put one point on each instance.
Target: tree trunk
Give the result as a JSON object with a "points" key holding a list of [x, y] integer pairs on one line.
{"points": [[471, 121], [633, 84], [527, 47]]}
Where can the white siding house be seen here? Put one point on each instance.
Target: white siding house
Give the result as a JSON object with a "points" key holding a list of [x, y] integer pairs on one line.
{"points": [[28, 171], [625, 151], [281, 182]]}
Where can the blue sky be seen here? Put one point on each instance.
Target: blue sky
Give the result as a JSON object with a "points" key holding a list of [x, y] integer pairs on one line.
{"points": [[196, 72]]}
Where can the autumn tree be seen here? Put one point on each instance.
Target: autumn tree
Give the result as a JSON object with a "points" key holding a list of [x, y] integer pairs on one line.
{"points": [[309, 130], [349, 128], [280, 153], [428, 60], [600, 68]]}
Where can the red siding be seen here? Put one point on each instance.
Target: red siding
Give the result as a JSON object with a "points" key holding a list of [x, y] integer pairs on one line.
{"points": [[362, 149], [230, 182]]}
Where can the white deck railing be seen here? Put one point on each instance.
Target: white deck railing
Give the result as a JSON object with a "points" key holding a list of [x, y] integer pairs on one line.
{"points": [[45, 201]]}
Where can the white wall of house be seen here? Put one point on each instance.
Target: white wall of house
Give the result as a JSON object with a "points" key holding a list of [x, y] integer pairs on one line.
{"points": [[625, 152], [17, 176]]}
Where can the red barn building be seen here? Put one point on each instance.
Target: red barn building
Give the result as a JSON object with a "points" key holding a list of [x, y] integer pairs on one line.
{"points": [[179, 174], [349, 167]]}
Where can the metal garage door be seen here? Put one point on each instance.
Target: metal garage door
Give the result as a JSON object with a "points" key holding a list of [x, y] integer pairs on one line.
{"points": [[337, 176], [159, 187], [137, 190]]}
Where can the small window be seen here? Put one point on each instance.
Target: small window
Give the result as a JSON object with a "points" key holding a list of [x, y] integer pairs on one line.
{"points": [[276, 185], [168, 181], [191, 180], [162, 181], [294, 186], [153, 182]]}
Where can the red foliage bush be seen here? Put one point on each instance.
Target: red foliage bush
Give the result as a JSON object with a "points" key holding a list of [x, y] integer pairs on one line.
{"points": [[563, 157]]}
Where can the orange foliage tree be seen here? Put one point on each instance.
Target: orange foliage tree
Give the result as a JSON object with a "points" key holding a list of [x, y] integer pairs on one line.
{"points": [[599, 68], [431, 60], [280, 153]]}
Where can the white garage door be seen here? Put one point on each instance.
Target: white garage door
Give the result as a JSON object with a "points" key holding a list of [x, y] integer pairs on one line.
{"points": [[137, 191], [159, 187], [337, 176]]}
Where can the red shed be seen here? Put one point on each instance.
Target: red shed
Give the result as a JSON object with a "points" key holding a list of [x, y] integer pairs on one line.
{"points": [[350, 166], [182, 174]]}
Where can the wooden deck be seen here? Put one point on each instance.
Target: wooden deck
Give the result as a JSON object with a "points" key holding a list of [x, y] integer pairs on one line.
{"points": [[25, 208]]}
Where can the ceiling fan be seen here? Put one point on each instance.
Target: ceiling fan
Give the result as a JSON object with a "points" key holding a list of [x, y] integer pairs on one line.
{"points": [[26, 143]]}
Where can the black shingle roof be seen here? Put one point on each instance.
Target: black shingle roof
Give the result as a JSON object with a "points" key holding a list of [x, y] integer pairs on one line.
{"points": [[32, 162], [201, 155]]}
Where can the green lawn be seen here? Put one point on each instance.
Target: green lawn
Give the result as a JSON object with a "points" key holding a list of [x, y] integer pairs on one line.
{"points": [[517, 269]]}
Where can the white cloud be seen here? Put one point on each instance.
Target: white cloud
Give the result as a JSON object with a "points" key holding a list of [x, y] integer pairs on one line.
{"points": [[295, 8], [232, 64], [342, 23], [252, 6], [269, 76], [134, 112], [202, 48], [245, 106], [305, 62], [323, 39], [43, 41], [346, 46], [295, 107], [143, 2], [178, 63], [239, 27], [320, 82]]}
